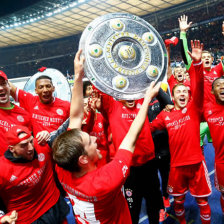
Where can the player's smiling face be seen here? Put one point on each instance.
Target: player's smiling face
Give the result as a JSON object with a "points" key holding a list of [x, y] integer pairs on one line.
{"points": [[218, 91], [24, 149], [128, 103], [179, 74], [207, 60], [90, 146], [180, 97], [44, 89]]}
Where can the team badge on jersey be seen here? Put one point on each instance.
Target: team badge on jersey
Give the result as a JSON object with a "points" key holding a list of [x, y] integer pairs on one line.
{"points": [[170, 189], [41, 157], [128, 192], [20, 118], [184, 111], [100, 125], [59, 111], [138, 105]]}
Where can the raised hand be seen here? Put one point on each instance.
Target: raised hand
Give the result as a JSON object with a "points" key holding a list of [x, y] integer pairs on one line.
{"points": [[42, 137], [183, 24], [197, 48], [95, 100], [9, 218], [223, 28], [152, 90], [79, 65]]}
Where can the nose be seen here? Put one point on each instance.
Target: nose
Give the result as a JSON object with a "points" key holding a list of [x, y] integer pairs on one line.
{"points": [[30, 146], [45, 89], [94, 138]]}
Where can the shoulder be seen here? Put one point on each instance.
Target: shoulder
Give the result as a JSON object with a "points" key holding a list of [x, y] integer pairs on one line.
{"points": [[58, 100], [20, 110]]}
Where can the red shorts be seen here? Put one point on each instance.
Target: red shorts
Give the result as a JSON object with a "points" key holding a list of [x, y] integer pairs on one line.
{"points": [[190, 177], [219, 177]]}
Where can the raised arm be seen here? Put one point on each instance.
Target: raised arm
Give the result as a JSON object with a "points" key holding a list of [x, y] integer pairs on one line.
{"points": [[129, 140], [77, 108], [223, 28], [184, 26], [196, 76]]}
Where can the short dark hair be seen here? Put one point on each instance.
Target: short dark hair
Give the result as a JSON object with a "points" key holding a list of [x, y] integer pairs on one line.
{"points": [[43, 77], [213, 84], [179, 84], [67, 148], [206, 52], [85, 85]]}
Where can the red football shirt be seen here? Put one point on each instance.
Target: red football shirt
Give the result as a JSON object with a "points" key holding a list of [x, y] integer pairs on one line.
{"points": [[172, 82], [96, 197], [44, 116], [214, 115], [99, 131], [120, 119], [209, 77], [183, 126], [29, 188], [10, 118]]}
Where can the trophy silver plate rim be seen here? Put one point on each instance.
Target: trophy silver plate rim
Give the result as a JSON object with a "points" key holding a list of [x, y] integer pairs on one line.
{"points": [[122, 80]]}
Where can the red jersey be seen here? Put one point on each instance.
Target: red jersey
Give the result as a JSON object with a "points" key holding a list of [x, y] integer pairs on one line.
{"points": [[183, 126], [209, 77], [120, 119], [29, 188], [172, 82], [97, 197], [214, 115], [44, 116], [99, 131], [9, 118]]}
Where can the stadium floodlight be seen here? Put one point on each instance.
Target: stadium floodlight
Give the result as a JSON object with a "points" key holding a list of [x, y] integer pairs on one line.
{"points": [[73, 4]]}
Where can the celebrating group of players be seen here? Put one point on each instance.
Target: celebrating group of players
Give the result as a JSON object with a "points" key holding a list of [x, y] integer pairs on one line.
{"points": [[91, 147]]}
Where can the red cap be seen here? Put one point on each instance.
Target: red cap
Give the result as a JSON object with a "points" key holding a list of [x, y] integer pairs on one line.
{"points": [[172, 41], [42, 69], [12, 135], [3, 75]]}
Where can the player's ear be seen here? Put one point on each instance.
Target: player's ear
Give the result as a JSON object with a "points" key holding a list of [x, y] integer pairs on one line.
{"points": [[11, 149], [83, 160]]}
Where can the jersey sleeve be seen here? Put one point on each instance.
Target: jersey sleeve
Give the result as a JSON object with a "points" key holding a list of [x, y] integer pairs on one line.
{"points": [[56, 133], [89, 122], [25, 99], [184, 49], [197, 83], [220, 69], [113, 175], [158, 123]]}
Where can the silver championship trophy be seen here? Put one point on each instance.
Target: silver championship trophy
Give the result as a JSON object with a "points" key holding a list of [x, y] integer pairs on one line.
{"points": [[124, 54], [62, 88]]}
